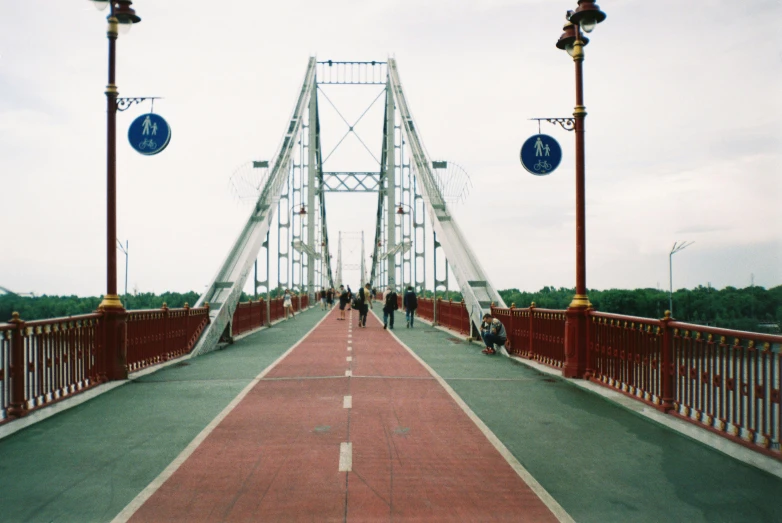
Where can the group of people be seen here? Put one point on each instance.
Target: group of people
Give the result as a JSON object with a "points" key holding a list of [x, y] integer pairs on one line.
{"points": [[492, 330], [327, 298], [362, 302]]}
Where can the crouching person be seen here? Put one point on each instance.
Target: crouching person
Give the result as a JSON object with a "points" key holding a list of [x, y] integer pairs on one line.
{"points": [[492, 332]]}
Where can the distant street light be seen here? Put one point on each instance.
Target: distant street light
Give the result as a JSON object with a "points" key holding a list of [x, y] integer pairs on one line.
{"points": [[125, 250], [676, 248]]}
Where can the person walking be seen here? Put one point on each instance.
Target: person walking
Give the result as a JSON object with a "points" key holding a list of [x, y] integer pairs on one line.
{"points": [[410, 303], [323, 299], [492, 332], [287, 304], [343, 301], [350, 298], [390, 304], [330, 298], [363, 302]]}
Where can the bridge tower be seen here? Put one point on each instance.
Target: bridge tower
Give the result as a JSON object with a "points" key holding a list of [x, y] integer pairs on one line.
{"points": [[412, 190]]}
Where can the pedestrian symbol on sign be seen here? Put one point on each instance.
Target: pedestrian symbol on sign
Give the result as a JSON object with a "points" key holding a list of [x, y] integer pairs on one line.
{"points": [[149, 134], [540, 154]]}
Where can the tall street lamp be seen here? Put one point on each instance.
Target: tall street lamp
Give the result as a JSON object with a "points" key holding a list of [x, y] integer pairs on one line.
{"points": [[586, 16], [676, 248], [121, 17]]}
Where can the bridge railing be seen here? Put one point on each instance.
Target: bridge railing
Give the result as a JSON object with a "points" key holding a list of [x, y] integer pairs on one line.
{"points": [[158, 335], [249, 316], [535, 333], [723, 380], [44, 361]]}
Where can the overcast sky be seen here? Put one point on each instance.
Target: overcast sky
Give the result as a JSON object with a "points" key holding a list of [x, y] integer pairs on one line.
{"points": [[683, 139]]}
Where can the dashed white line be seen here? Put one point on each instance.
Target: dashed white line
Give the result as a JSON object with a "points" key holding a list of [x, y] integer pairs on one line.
{"points": [[347, 402], [345, 457], [350, 358], [348, 373]]}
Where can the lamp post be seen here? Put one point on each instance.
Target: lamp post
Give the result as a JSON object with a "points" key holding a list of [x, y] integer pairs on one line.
{"points": [[586, 16], [676, 248], [121, 17]]}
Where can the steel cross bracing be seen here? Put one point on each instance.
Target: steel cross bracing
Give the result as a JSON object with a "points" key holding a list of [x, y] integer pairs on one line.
{"points": [[225, 289], [473, 282]]}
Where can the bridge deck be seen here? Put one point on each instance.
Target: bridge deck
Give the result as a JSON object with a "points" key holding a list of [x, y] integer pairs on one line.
{"points": [[211, 439]]}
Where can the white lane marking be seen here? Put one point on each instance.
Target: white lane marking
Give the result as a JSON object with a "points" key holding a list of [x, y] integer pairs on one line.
{"points": [[145, 494], [350, 348], [350, 341], [347, 402], [348, 373], [533, 484], [350, 358], [345, 457], [350, 335]]}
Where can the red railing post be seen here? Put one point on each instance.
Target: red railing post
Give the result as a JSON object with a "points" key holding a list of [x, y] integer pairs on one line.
{"points": [[666, 367], [187, 324], [510, 330], [17, 407], [165, 332], [590, 370], [532, 330]]}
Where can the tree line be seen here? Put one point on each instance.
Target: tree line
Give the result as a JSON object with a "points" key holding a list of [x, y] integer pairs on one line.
{"points": [[752, 309]]}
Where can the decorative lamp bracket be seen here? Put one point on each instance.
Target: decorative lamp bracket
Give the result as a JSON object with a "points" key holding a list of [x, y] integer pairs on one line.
{"points": [[123, 104], [568, 124]]}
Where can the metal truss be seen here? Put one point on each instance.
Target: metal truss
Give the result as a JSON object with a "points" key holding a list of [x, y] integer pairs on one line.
{"points": [[225, 289], [352, 73], [473, 282], [351, 182]]}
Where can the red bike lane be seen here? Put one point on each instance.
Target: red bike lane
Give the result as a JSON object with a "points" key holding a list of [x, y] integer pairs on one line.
{"points": [[348, 426]]}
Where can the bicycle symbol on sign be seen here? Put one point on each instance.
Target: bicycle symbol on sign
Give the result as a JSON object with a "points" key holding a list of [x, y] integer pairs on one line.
{"points": [[543, 166], [148, 144]]}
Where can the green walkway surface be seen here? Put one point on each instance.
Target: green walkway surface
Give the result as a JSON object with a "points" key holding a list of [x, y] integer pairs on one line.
{"points": [[600, 461], [87, 463]]}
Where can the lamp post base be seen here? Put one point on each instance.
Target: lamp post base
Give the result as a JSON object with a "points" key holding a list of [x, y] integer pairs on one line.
{"points": [[115, 361], [576, 340]]}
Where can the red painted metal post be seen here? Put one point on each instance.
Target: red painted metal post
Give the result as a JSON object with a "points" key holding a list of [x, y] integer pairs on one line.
{"points": [[576, 317], [532, 330], [187, 323], [667, 370], [166, 328], [17, 406], [114, 342]]}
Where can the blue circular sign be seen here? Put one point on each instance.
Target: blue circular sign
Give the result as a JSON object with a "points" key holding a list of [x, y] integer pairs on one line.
{"points": [[149, 134], [541, 154]]}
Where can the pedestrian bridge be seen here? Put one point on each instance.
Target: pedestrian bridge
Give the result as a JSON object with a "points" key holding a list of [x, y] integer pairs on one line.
{"points": [[316, 420], [225, 411]]}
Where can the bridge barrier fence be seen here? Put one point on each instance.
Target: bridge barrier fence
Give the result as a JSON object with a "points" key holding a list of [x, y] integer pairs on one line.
{"points": [[44, 361], [252, 315], [534, 333], [725, 381], [249, 316], [158, 335]]}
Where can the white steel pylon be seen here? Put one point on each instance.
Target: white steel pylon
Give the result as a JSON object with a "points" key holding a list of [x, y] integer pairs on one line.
{"points": [[408, 190]]}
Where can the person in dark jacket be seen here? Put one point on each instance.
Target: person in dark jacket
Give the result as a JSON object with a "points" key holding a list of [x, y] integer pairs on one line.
{"points": [[344, 297], [389, 306], [410, 303]]}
